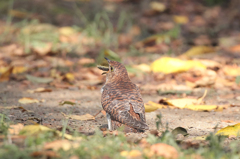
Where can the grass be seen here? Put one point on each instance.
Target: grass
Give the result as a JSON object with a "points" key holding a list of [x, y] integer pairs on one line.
{"points": [[110, 146]]}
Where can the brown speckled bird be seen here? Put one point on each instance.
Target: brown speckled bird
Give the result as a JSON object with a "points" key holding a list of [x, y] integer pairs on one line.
{"points": [[121, 99]]}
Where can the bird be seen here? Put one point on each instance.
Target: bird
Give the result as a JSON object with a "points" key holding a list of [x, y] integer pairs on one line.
{"points": [[121, 99]]}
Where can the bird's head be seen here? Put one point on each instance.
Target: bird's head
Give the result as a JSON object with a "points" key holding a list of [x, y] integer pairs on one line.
{"points": [[114, 70]]}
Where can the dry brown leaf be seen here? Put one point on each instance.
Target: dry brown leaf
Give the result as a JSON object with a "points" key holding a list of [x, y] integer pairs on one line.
{"points": [[39, 90], [103, 112], [79, 117], [228, 121], [15, 129], [235, 48], [207, 77], [6, 75], [45, 154], [164, 150], [27, 100], [43, 50], [61, 144], [84, 61]]}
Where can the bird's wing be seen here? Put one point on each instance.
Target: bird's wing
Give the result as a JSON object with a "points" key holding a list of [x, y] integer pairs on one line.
{"points": [[118, 102], [137, 103]]}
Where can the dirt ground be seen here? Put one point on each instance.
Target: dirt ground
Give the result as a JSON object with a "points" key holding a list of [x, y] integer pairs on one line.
{"points": [[49, 112]]}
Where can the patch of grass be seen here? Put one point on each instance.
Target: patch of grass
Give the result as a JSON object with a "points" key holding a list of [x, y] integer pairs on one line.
{"points": [[110, 146]]}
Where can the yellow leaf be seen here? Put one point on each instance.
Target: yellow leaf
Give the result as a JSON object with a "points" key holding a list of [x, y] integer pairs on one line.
{"points": [[67, 31], [124, 153], [171, 65], [143, 67], [35, 129], [180, 19], [233, 130], [232, 70], [134, 154], [200, 137], [152, 106], [70, 77], [15, 129], [157, 6], [19, 69], [67, 102], [80, 117], [204, 107], [27, 100], [61, 144], [193, 104], [198, 50], [39, 90]]}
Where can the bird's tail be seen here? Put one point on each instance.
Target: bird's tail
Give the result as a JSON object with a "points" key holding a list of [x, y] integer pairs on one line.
{"points": [[127, 119]]}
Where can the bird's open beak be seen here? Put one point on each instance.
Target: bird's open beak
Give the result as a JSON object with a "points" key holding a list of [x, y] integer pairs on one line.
{"points": [[104, 68], [107, 59]]}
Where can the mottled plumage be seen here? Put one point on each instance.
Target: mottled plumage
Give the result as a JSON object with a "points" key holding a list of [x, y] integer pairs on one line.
{"points": [[122, 101]]}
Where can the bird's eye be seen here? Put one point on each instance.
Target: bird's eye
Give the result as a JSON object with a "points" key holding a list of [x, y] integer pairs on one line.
{"points": [[112, 69]]}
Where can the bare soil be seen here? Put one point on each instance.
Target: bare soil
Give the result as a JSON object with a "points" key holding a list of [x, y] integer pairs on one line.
{"points": [[49, 112]]}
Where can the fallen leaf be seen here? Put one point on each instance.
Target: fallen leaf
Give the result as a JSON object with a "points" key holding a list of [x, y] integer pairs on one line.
{"points": [[204, 137], [233, 130], [45, 154], [19, 69], [134, 154], [157, 6], [206, 78], [39, 90], [38, 79], [8, 107], [84, 61], [124, 153], [143, 67], [5, 75], [79, 117], [182, 102], [231, 70], [205, 107], [67, 102], [171, 65], [61, 144], [198, 50], [42, 48], [35, 129], [66, 31], [70, 77], [27, 100], [228, 121], [164, 150], [180, 19], [152, 106], [15, 129], [179, 130], [235, 48]]}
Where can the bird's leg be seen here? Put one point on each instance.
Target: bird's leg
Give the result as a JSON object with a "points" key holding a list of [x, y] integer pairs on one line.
{"points": [[109, 122]]}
